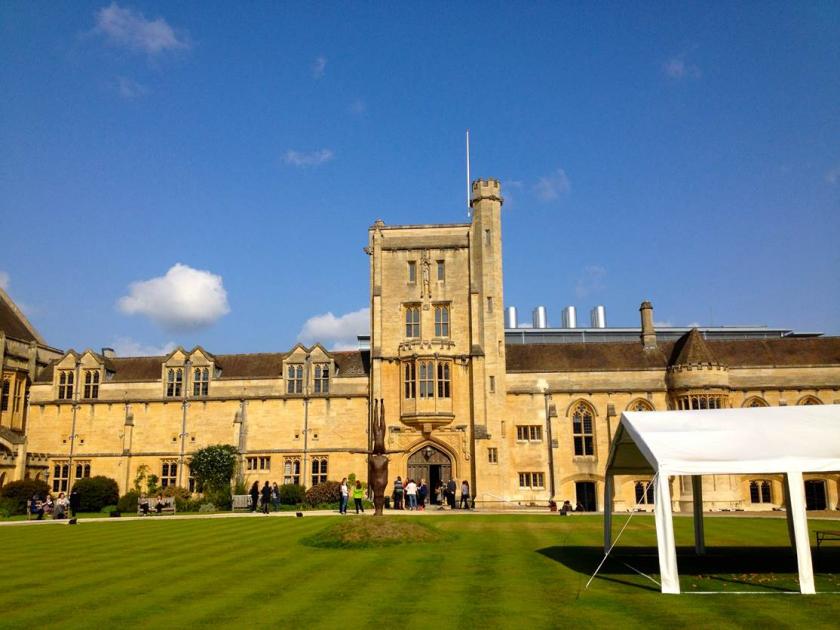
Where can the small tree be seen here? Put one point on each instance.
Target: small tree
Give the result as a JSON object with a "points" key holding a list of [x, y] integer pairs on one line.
{"points": [[96, 492], [213, 467]]}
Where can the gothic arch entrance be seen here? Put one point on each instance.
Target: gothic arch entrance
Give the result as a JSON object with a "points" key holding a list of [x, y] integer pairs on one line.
{"points": [[433, 465]]}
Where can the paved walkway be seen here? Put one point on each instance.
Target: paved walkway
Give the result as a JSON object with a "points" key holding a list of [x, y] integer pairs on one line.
{"points": [[820, 516]]}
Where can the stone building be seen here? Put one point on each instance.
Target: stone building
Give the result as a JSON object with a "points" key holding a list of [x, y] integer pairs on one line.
{"points": [[524, 416]]}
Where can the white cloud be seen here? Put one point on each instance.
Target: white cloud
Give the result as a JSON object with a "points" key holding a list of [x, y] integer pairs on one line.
{"points": [[130, 89], [130, 29], [552, 186], [677, 68], [337, 333], [833, 175], [319, 66], [694, 325], [185, 298], [128, 347], [313, 158], [590, 281], [4, 280], [665, 324]]}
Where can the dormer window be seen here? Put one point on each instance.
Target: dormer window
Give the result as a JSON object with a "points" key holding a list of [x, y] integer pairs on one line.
{"points": [[174, 382], [322, 378], [201, 381], [294, 379], [91, 384], [65, 384]]}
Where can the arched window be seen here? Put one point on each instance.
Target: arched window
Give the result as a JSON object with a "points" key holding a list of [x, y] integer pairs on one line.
{"points": [[294, 379], [4, 396], [809, 400], [442, 320], [640, 404], [201, 381], [319, 470], [760, 491], [410, 380], [583, 429], [174, 381], [755, 401], [443, 379], [91, 383], [427, 379], [65, 385], [291, 470]]}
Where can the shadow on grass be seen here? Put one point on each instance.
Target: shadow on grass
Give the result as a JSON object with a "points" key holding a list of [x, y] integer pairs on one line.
{"points": [[772, 568]]}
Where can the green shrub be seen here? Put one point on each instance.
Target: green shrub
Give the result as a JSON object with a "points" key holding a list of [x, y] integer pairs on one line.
{"points": [[128, 501], [219, 497], [176, 491], [19, 493], [8, 507], [188, 505], [207, 507], [96, 492], [292, 494], [327, 492]]}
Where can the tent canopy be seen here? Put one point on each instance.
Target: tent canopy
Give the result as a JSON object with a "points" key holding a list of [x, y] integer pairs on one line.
{"points": [[759, 440], [728, 441]]}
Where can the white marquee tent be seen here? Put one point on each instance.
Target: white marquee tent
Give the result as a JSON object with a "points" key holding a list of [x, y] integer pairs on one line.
{"points": [[763, 440]]}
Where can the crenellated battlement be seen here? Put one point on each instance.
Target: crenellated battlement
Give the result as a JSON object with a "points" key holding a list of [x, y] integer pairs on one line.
{"points": [[489, 188]]}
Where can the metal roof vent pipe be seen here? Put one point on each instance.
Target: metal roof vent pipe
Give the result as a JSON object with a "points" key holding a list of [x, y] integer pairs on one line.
{"points": [[540, 317], [510, 317], [569, 317], [598, 317]]}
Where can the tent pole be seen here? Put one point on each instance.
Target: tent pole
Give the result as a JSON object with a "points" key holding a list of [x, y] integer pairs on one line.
{"points": [[788, 512], [665, 535], [699, 534], [796, 508], [608, 500]]}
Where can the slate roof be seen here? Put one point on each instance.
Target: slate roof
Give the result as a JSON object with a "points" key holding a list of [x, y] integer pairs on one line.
{"points": [[782, 352], [14, 323], [692, 349], [264, 364]]}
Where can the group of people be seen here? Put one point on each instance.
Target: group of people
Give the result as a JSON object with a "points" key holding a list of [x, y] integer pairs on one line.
{"points": [[413, 496], [567, 507], [144, 502], [39, 506], [265, 498]]}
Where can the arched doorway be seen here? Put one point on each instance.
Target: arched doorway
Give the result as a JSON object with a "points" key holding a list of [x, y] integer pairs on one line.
{"points": [[433, 465]]}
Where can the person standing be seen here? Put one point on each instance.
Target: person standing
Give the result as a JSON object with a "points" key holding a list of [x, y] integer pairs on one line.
{"points": [[422, 493], [450, 493], [465, 495], [411, 493], [255, 495], [75, 502], [266, 498], [345, 496], [275, 497], [358, 493], [398, 493]]}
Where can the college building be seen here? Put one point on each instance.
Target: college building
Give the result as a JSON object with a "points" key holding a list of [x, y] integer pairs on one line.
{"points": [[526, 415]]}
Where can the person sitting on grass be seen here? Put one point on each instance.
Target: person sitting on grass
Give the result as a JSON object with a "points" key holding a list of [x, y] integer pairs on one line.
{"points": [[358, 493]]}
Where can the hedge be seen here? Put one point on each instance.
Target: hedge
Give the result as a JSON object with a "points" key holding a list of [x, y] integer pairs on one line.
{"points": [[96, 492], [327, 492], [292, 494], [21, 491]]}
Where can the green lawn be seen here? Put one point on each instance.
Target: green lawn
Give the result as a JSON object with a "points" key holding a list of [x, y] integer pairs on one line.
{"points": [[489, 571]]}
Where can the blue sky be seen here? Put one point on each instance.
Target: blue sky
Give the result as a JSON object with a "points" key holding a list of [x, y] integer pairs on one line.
{"points": [[205, 173]]}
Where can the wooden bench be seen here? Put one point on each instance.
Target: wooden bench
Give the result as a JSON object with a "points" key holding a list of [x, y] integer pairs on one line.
{"points": [[240, 502], [823, 535], [168, 505]]}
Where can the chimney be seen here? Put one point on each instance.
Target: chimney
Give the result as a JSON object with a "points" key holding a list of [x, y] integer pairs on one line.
{"points": [[569, 317], [539, 317], [648, 332], [598, 317], [108, 353], [510, 317]]}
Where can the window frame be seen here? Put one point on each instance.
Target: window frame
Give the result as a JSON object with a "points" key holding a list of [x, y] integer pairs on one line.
{"points": [[291, 470], [91, 384], [322, 378], [168, 473], [532, 480], [529, 433], [583, 440], [441, 270], [412, 321], [294, 378], [66, 380], [442, 317], [412, 271], [174, 382], [492, 455], [60, 482], [201, 381], [643, 492], [761, 492], [319, 469]]}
